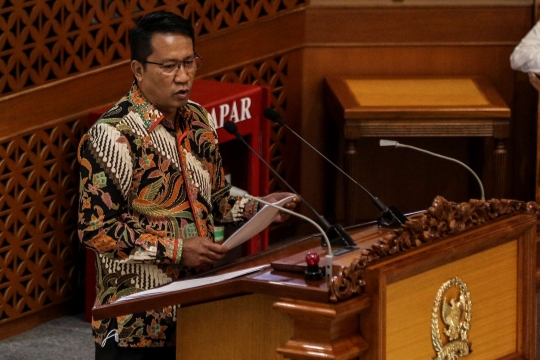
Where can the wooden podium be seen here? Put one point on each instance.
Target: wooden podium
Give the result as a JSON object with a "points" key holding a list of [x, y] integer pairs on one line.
{"points": [[456, 279], [395, 107]]}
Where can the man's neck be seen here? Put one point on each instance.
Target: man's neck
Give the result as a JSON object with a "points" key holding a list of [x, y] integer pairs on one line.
{"points": [[170, 115]]}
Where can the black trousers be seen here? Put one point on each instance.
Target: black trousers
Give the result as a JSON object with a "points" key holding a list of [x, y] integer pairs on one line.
{"points": [[112, 351]]}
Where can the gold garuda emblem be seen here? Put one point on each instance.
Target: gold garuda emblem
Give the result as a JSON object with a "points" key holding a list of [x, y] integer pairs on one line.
{"points": [[452, 311]]}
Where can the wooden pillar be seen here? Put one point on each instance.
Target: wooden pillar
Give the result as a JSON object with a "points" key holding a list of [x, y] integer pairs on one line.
{"points": [[324, 331]]}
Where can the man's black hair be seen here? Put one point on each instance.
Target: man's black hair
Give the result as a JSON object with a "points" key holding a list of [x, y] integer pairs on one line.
{"points": [[159, 22]]}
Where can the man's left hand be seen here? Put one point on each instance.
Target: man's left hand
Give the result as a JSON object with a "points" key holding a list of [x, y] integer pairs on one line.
{"points": [[290, 205]]}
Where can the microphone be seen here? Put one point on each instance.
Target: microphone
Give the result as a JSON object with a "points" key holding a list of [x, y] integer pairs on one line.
{"points": [[329, 255], [334, 232], [398, 145], [390, 216]]}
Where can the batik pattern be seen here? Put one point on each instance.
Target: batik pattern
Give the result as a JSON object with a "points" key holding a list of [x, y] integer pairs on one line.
{"points": [[146, 184]]}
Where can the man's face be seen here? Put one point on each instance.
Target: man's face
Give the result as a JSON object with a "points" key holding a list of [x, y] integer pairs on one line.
{"points": [[167, 91]]}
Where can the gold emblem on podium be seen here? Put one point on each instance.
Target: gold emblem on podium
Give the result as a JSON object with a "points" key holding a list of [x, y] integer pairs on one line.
{"points": [[452, 311]]}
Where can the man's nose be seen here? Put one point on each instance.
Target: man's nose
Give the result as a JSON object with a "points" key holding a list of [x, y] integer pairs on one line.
{"points": [[182, 74]]}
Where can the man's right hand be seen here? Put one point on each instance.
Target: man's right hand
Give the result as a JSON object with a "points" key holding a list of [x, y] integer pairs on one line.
{"points": [[201, 253]]}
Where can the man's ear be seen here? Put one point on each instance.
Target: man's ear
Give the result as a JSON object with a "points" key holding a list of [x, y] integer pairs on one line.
{"points": [[137, 69]]}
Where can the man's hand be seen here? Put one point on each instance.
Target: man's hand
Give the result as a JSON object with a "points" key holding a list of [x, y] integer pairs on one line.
{"points": [[201, 253], [274, 197]]}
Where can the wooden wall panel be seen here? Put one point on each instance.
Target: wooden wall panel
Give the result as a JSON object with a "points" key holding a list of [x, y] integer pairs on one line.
{"points": [[247, 43], [367, 41], [40, 256], [46, 41], [471, 26], [63, 100], [60, 59]]}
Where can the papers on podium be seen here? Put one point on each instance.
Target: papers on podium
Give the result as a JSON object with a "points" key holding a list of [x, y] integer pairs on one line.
{"points": [[256, 224], [189, 284]]}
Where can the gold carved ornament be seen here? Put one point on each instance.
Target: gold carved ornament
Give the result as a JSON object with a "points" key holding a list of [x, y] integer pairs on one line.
{"points": [[444, 218], [456, 315]]}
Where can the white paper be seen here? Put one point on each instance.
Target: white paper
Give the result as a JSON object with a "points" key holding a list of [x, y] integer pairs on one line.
{"points": [[256, 224], [189, 284]]}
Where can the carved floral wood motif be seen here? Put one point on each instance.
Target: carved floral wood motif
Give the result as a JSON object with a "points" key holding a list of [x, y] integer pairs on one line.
{"points": [[44, 41], [40, 256], [273, 74], [442, 219]]}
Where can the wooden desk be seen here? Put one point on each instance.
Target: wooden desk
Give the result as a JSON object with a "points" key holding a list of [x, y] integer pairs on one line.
{"points": [[417, 107]]}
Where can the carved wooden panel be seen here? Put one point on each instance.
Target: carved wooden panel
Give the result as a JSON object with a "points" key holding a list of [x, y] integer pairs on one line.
{"points": [[444, 218], [272, 73], [40, 254], [43, 41]]}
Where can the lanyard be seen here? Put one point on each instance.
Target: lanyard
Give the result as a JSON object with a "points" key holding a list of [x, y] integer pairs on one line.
{"points": [[190, 195]]}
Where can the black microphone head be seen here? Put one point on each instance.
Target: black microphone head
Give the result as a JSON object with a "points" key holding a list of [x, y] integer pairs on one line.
{"points": [[230, 127], [273, 115]]}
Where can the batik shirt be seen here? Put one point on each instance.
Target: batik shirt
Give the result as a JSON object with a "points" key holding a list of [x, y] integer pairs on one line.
{"points": [[146, 184]]}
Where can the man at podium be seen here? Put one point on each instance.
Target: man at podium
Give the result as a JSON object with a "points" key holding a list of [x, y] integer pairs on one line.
{"points": [[152, 188]]}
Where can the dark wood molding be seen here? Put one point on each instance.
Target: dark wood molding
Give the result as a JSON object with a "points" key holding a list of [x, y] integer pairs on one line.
{"points": [[433, 26], [63, 100]]}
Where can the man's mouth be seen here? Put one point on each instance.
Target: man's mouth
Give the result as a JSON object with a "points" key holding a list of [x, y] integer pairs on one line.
{"points": [[181, 94]]}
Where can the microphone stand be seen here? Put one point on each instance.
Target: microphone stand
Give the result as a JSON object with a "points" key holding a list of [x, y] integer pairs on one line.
{"points": [[337, 235], [390, 216], [329, 254], [398, 145]]}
